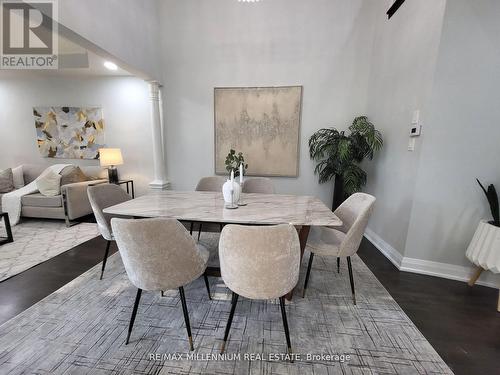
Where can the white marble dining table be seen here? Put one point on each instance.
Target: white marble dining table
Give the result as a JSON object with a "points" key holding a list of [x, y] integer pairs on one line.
{"points": [[208, 207]]}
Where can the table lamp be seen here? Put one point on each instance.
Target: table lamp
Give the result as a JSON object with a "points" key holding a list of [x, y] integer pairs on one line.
{"points": [[111, 157]]}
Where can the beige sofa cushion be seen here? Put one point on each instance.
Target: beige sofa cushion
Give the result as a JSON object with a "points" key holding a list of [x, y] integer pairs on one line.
{"points": [[18, 177], [72, 174], [39, 200], [32, 171], [6, 181], [49, 183]]}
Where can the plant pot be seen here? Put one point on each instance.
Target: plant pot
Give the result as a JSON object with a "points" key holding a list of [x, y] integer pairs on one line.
{"points": [[338, 192], [484, 249], [226, 192]]}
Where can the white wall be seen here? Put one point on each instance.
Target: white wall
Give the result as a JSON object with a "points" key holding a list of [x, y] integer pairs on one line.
{"points": [[462, 133], [442, 58], [323, 45], [127, 29], [403, 62], [126, 111]]}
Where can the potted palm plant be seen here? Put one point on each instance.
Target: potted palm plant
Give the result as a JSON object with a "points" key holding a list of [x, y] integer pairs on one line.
{"points": [[339, 154]]}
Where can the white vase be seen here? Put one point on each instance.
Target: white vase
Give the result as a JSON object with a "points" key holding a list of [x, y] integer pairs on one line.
{"points": [[484, 249], [226, 192]]}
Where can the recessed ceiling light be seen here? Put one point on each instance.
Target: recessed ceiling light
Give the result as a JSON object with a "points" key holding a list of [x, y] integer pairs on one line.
{"points": [[110, 65]]}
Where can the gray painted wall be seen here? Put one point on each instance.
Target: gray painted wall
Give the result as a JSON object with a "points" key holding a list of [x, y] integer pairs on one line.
{"points": [[444, 59], [462, 133], [402, 66], [281, 42]]}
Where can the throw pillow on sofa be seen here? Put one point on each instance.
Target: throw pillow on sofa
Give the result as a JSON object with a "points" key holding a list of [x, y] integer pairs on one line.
{"points": [[72, 174], [6, 181], [49, 184], [18, 176]]}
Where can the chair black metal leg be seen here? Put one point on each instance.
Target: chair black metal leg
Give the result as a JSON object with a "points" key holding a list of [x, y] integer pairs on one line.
{"points": [[105, 259], [311, 256], [199, 231], [186, 317], [338, 264], [234, 301], [191, 228], [134, 313], [351, 279], [207, 285], [285, 325]]}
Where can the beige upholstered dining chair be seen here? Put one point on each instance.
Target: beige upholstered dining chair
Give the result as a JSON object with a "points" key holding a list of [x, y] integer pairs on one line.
{"points": [[159, 254], [261, 185], [211, 183], [102, 196], [259, 263], [344, 241]]}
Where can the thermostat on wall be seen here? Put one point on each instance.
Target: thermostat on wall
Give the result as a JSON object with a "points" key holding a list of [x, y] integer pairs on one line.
{"points": [[415, 130]]}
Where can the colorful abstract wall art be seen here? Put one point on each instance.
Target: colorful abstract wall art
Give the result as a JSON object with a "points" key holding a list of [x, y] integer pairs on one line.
{"points": [[69, 132]]}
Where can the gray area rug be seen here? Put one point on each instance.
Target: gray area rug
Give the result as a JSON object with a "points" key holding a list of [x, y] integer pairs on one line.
{"points": [[81, 329], [36, 241]]}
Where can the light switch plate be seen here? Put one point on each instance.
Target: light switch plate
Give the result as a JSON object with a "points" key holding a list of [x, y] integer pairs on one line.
{"points": [[415, 127], [411, 144], [416, 117]]}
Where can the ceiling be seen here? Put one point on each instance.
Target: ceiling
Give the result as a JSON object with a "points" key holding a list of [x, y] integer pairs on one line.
{"points": [[74, 60]]}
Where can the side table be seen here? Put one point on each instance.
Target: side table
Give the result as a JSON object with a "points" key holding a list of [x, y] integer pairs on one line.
{"points": [[3, 240], [127, 182], [129, 185]]}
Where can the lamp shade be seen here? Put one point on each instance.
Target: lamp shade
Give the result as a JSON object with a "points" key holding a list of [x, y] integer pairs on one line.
{"points": [[110, 156]]}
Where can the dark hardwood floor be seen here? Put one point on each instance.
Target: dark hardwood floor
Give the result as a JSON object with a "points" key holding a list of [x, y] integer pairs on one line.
{"points": [[461, 323], [27, 288]]}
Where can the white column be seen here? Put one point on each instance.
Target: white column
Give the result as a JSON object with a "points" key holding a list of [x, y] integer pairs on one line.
{"points": [[160, 180]]}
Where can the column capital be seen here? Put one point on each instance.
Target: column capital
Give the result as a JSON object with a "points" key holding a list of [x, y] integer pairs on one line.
{"points": [[154, 82], [154, 90]]}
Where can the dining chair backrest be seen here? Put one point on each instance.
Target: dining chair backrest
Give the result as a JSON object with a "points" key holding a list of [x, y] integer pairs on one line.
{"points": [[212, 183], [354, 212], [260, 262], [261, 185], [102, 196], [158, 253]]}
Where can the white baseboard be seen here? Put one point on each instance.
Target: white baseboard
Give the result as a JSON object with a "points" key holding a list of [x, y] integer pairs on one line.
{"points": [[427, 267], [390, 253], [159, 185]]}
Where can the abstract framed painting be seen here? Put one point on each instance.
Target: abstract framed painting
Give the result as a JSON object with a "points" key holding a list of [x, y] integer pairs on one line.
{"points": [[261, 122], [69, 132]]}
